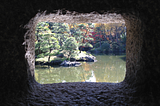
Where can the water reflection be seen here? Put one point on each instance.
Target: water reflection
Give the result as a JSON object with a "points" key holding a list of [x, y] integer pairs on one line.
{"points": [[92, 78], [108, 68]]}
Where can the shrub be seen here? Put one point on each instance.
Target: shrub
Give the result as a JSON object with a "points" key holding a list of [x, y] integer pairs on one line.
{"points": [[105, 46], [115, 46], [97, 45]]}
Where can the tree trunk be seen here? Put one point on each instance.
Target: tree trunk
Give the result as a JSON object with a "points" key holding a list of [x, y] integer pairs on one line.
{"points": [[49, 56], [49, 52], [117, 34], [81, 46], [69, 55], [111, 36], [48, 59]]}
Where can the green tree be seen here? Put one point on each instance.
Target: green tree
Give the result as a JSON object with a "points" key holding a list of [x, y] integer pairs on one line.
{"points": [[48, 44], [115, 47], [42, 27], [45, 40], [60, 31], [70, 45]]}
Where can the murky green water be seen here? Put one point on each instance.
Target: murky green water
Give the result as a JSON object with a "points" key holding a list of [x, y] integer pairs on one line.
{"points": [[108, 68]]}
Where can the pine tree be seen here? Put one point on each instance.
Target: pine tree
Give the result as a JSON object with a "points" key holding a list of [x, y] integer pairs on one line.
{"points": [[42, 27], [60, 31], [45, 40], [70, 45]]}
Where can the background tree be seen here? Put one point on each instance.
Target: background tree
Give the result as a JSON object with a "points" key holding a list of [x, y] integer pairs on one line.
{"points": [[85, 35], [98, 32]]}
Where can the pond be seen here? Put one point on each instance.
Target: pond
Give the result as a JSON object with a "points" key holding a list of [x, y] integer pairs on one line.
{"points": [[108, 68]]}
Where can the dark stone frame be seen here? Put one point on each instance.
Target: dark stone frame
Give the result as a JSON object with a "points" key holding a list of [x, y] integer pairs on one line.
{"points": [[141, 84]]}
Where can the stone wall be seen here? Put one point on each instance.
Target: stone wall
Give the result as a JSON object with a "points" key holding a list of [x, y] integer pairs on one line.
{"points": [[141, 85]]}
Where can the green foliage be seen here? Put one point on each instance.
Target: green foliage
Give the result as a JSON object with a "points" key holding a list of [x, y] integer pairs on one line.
{"points": [[105, 46], [40, 56], [55, 52], [122, 47], [115, 46], [62, 59], [97, 45], [74, 54], [100, 43], [70, 45], [60, 31]]}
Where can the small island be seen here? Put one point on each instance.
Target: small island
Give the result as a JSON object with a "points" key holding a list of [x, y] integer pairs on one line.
{"points": [[62, 60]]}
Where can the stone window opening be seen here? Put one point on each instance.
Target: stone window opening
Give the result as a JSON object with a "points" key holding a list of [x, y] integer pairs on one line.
{"points": [[60, 18]]}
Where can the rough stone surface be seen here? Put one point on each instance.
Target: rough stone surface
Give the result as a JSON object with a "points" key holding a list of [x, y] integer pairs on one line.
{"points": [[141, 85]]}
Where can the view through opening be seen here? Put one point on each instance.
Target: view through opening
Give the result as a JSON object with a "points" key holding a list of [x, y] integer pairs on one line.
{"points": [[80, 52]]}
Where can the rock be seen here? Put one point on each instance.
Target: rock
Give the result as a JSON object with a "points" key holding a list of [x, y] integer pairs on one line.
{"points": [[56, 62], [41, 63], [46, 63], [90, 58], [60, 55], [68, 63], [81, 59], [72, 59], [87, 59], [37, 62], [85, 48]]}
